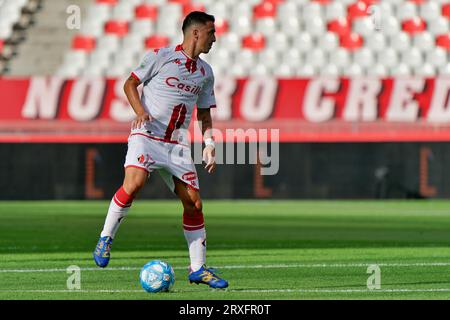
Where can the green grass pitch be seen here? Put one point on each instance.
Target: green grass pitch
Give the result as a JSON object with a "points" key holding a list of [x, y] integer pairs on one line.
{"points": [[265, 249]]}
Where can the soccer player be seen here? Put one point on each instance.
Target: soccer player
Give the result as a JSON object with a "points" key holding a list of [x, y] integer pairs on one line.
{"points": [[175, 79]]}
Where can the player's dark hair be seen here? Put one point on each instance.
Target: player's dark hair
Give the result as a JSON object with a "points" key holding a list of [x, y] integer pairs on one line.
{"points": [[196, 17]]}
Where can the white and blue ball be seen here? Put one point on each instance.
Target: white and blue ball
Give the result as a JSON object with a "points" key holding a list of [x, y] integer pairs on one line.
{"points": [[157, 276]]}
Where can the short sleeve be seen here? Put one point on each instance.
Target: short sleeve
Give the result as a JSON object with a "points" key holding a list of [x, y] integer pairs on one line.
{"points": [[206, 98], [148, 68]]}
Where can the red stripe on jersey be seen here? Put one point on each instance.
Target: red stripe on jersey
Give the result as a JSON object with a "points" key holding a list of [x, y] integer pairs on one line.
{"points": [[173, 121], [182, 117]]}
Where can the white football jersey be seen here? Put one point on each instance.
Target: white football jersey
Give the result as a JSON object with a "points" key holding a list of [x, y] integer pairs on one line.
{"points": [[173, 85]]}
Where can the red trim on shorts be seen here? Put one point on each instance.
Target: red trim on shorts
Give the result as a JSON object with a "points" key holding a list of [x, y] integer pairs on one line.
{"points": [[154, 138], [135, 76], [137, 167]]}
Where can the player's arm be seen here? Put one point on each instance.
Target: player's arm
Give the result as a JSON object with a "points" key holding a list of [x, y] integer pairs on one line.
{"points": [[209, 153], [130, 88]]}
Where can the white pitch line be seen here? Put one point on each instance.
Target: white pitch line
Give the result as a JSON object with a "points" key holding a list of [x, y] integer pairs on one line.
{"points": [[258, 266], [400, 290]]}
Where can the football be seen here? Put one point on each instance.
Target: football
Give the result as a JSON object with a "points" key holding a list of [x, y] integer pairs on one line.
{"points": [[157, 276]]}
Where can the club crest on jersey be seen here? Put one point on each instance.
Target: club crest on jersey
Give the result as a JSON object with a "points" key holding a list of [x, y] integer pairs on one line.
{"points": [[202, 70], [174, 82]]}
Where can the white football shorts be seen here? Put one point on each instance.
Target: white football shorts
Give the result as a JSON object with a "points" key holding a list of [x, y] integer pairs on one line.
{"points": [[168, 158]]}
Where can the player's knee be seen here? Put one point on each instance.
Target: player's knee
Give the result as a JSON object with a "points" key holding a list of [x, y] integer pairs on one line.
{"points": [[132, 186], [193, 207], [198, 205]]}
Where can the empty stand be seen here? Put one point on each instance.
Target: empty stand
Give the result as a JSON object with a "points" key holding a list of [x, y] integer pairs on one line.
{"points": [[285, 38]]}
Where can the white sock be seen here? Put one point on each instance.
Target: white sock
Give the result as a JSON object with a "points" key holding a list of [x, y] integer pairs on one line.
{"points": [[196, 240], [118, 209]]}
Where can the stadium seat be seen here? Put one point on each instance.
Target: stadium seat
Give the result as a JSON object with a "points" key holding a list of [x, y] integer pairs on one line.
{"points": [[330, 70], [412, 57], [430, 10], [425, 70], [400, 42], [414, 25], [424, 41], [376, 42], [242, 25], [142, 28], [412, 36], [363, 57], [306, 71], [254, 42], [443, 41], [269, 57], [439, 26], [401, 70], [354, 70], [221, 26], [283, 71], [335, 11], [445, 70], [351, 41], [406, 10], [231, 41], [265, 9], [117, 27], [156, 41], [388, 58], [266, 26], [340, 58], [436, 57], [189, 7], [292, 57], [446, 10], [303, 42], [146, 11], [86, 43], [377, 70], [364, 26], [340, 26], [315, 26], [316, 58], [357, 10], [329, 41], [389, 25]]}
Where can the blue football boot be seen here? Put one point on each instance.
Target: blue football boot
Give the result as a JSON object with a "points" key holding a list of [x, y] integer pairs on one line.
{"points": [[206, 275], [102, 251]]}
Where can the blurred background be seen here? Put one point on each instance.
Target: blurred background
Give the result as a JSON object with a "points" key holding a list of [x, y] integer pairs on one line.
{"points": [[358, 89]]}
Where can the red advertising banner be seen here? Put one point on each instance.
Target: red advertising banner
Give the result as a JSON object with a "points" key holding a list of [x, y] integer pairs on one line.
{"points": [[52, 109]]}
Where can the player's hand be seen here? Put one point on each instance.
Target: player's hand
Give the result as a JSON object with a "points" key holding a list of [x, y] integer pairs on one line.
{"points": [[140, 120], [209, 157]]}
